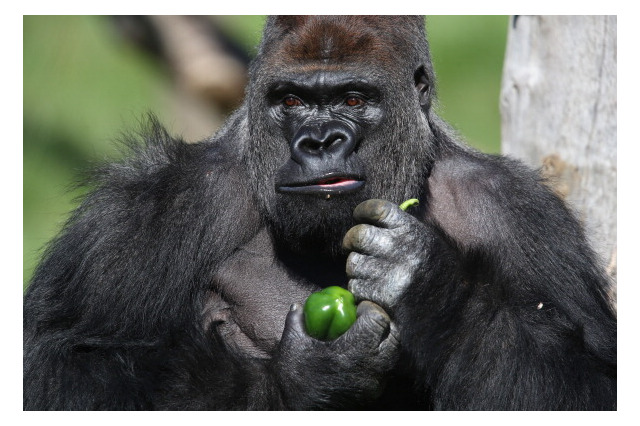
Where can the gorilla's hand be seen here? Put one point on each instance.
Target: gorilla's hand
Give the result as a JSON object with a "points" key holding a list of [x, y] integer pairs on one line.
{"points": [[343, 373], [389, 251]]}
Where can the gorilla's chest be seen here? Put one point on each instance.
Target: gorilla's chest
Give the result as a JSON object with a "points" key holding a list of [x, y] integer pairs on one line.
{"points": [[252, 293]]}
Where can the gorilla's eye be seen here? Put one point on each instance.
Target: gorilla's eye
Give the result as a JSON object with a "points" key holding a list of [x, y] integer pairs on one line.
{"points": [[354, 101], [291, 101]]}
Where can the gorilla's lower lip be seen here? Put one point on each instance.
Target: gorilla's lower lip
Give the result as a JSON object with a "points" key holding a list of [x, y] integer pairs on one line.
{"points": [[331, 186]]}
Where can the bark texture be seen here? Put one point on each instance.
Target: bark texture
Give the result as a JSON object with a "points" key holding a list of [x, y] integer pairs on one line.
{"points": [[559, 114]]}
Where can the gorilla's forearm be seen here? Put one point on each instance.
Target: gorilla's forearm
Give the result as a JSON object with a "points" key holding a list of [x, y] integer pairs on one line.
{"points": [[504, 236], [524, 330], [61, 376]]}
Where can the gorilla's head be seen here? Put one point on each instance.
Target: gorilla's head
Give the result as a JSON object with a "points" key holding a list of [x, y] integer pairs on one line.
{"points": [[337, 115]]}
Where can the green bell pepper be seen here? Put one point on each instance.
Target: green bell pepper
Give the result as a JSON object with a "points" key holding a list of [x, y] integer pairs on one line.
{"points": [[329, 313]]}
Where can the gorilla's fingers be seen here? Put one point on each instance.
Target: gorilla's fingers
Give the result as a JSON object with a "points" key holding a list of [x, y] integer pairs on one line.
{"points": [[389, 346], [359, 288], [368, 239], [374, 311], [380, 213], [353, 262], [372, 320], [360, 266]]}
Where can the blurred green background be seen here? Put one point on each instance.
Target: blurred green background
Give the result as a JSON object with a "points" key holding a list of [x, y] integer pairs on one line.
{"points": [[83, 85]]}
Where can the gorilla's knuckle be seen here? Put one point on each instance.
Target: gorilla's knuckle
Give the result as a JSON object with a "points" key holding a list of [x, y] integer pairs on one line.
{"points": [[360, 237], [360, 288], [379, 321], [354, 260], [354, 238]]}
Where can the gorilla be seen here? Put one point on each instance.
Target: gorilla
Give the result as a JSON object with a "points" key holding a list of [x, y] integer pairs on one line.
{"points": [[178, 283]]}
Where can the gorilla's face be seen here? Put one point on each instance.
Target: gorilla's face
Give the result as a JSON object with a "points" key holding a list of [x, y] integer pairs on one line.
{"points": [[325, 117], [327, 134]]}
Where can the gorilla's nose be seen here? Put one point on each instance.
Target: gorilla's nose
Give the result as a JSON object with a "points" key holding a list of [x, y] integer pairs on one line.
{"points": [[328, 139]]}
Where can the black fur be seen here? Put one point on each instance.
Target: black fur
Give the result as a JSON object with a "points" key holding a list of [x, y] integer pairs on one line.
{"points": [[170, 287]]}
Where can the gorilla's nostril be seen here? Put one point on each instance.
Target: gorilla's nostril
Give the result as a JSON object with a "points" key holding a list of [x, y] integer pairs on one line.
{"points": [[333, 141], [310, 146], [314, 146]]}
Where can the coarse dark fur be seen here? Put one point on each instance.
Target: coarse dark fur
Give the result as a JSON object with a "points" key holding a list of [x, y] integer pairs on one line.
{"points": [[170, 287]]}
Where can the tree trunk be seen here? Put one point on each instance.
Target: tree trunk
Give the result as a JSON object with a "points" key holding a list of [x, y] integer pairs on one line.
{"points": [[559, 111]]}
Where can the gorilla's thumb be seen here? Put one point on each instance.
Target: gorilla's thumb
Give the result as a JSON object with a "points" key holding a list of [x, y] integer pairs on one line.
{"points": [[294, 324], [372, 319]]}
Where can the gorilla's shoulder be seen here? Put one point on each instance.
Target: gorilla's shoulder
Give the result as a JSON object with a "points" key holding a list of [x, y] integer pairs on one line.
{"points": [[166, 186], [481, 172], [172, 181], [153, 160]]}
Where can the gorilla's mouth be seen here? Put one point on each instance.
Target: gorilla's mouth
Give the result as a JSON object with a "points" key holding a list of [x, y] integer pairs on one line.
{"points": [[326, 185]]}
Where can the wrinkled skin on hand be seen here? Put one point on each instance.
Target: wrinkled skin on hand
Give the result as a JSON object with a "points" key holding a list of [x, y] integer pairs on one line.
{"points": [[321, 374], [389, 251]]}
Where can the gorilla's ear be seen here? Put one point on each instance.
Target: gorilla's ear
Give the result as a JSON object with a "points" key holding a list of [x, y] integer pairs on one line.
{"points": [[423, 87]]}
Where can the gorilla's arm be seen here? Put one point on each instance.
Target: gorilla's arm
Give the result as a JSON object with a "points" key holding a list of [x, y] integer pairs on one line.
{"points": [[507, 308], [537, 329], [115, 316], [122, 281]]}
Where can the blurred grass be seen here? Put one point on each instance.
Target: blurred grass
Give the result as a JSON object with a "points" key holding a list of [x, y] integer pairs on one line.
{"points": [[82, 86], [468, 53]]}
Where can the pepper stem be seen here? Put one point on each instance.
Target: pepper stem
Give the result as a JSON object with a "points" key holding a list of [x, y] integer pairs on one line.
{"points": [[409, 203]]}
